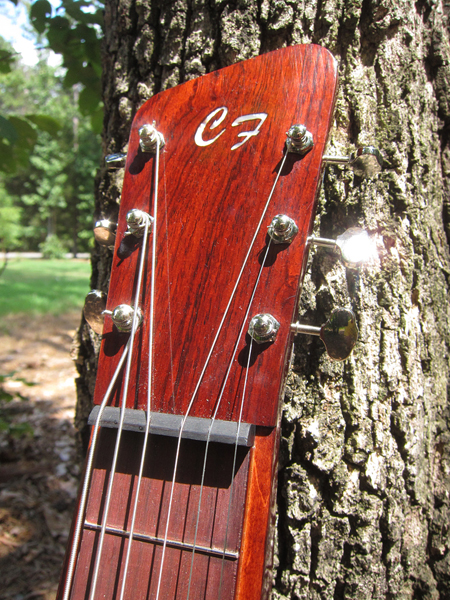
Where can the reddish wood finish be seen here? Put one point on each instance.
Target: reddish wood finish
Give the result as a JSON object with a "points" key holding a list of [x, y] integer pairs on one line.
{"points": [[152, 518], [211, 199]]}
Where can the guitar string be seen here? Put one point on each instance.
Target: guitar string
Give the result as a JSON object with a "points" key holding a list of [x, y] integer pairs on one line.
{"points": [[233, 471], [150, 368], [222, 391], [122, 414], [87, 478], [202, 373]]}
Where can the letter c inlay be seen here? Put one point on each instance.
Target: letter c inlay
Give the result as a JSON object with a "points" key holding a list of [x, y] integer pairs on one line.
{"points": [[201, 128]]}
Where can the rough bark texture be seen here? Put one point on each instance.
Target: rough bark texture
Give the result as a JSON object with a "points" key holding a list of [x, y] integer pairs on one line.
{"points": [[365, 472]]}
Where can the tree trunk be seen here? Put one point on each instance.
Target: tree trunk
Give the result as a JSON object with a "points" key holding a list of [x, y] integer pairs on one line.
{"points": [[363, 497]]}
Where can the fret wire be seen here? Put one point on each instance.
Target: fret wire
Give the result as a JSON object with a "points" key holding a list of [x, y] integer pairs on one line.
{"points": [[122, 413], [234, 467], [222, 391], [208, 358], [143, 537], [87, 478], [150, 367]]}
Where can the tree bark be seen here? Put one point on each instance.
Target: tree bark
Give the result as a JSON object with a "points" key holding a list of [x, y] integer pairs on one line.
{"points": [[363, 496]]}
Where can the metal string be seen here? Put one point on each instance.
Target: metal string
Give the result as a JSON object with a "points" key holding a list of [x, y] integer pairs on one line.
{"points": [[213, 418], [122, 412], [85, 490], [194, 394], [150, 368], [234, 467]]}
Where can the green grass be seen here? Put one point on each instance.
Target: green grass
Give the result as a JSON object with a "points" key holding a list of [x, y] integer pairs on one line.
{"points": [[42, 287]]}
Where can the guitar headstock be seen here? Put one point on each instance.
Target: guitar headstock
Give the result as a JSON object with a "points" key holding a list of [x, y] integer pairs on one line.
{"points": [[226, 169]]}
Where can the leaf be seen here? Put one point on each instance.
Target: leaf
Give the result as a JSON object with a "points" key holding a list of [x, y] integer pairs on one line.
{"points": [[38, 14], [5, 396], [6, 58], [57, 34], [7, 130], [27, 135], [97, 119], [46, 123], [89, 100]]}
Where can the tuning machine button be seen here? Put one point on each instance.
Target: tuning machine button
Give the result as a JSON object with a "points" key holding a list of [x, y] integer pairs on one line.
{"points": [[94, 308], [339, 333], [105, 232], [366, 161], [115, 161], [354, 246]]}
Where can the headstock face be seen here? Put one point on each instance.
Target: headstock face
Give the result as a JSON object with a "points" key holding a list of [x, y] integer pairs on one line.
{"points": [[225, 136]]}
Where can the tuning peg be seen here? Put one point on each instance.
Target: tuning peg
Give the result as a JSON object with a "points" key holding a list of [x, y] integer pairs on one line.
{"points": [[339, 333], [105, 232], [115, 161], [263, 328], [354, 246], [299, 139], [95, 311], [137, 220], [122, 317], [366, 161], [94, 308], [148, 138]]}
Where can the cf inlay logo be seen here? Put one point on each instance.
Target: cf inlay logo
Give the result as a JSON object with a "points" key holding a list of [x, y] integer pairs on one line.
{"points": [[223, 110]]}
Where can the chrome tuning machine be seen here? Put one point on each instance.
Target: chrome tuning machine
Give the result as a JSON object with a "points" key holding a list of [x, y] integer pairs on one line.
{"points": [[115, 161], [105, 232], [95, 310], [149, 137], [366, 161], [339, 333], [354, 246]]}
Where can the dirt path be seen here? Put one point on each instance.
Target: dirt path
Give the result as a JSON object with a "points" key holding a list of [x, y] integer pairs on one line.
{"points": [[39, 470]]}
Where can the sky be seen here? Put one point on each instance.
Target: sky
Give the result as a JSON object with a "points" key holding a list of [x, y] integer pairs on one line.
{"points": [[15, 28]]}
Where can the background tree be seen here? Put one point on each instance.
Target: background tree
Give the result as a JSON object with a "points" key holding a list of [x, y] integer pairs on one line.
{"points": [[365, 472], [48, 163]]}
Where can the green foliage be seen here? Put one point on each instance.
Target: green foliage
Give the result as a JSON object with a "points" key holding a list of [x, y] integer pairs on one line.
{"points": [[18, 131], [10, 215], [75, 32], [33, 286], [6, 424], [52, 247], [51, 181]]}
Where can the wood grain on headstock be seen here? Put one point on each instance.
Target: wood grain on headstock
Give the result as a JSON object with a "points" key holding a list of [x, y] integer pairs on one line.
{"points": [[215, 179], [211, 199]]}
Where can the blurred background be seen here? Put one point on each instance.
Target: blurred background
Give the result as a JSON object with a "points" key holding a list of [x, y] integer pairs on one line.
{"points": [[50, 119]]}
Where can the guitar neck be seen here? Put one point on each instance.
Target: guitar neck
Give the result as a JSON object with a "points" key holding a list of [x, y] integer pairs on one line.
{"points": [[178, 498]]}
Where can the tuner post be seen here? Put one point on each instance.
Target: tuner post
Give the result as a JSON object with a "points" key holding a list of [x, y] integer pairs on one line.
{"points": [[122, 317], [149, 137], [299, 139], [282, 230], [263, 328], [137, 221]]}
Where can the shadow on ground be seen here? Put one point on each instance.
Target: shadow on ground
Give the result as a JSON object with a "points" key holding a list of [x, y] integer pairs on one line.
{"points": [[39, 470]]}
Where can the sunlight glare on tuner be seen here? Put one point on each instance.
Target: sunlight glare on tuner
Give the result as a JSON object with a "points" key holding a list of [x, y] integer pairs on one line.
{"points": [[356, 247]]}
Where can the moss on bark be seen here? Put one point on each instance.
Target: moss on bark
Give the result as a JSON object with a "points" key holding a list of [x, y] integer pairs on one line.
{"points": [[364, 472]]}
